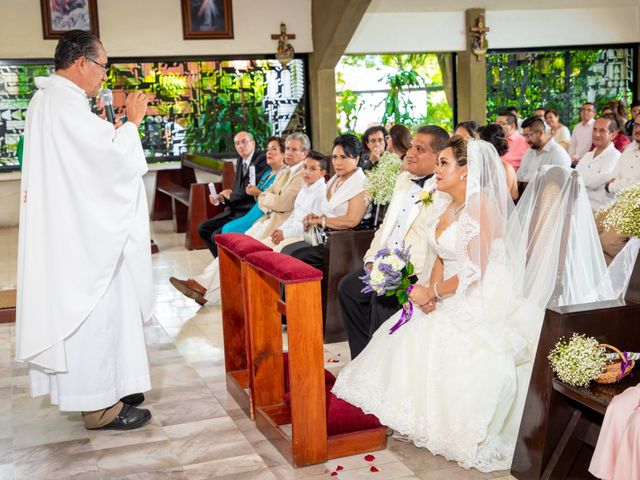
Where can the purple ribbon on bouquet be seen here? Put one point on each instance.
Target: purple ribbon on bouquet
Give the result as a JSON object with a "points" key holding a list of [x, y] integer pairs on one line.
{"points": [[407, 311], [626, 363]]}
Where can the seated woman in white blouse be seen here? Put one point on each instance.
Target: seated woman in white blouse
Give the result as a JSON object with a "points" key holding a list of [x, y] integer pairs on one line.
{"points": [[559, 132], [345, 204]]}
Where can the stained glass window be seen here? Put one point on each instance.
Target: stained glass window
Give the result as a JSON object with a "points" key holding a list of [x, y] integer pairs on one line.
{"points": [[195, 105]]}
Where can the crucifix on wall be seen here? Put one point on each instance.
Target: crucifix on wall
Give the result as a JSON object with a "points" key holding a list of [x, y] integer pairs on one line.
{"points": [[479, 42], [285, 51]]}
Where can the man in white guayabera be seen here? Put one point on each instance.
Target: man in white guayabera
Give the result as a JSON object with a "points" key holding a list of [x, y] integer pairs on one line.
{"points": [[84, 264]]}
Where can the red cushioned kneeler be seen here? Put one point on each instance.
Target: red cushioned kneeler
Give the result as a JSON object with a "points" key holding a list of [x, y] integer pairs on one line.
{"points": [[232, 249], [309, 442]]}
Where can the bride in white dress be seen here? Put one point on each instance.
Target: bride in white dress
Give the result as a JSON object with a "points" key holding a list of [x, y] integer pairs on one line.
{"points": [[454, 378]]}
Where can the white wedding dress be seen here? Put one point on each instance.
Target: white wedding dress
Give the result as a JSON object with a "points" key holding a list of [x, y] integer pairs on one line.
{"points": [[452, 386]]}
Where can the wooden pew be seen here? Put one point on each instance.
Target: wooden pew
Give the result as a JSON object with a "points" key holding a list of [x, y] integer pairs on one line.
{"points": [[559, 420], [309, 443], [232, 249], [344, 253], [178, 196]]}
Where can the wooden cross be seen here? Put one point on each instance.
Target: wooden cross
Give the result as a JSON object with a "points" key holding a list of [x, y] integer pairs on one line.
{"points": [[285, 51], [283, 35], [479, 42]]}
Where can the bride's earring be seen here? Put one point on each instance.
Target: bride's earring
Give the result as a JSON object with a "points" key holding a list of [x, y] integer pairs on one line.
{"points": [[461, 177]]}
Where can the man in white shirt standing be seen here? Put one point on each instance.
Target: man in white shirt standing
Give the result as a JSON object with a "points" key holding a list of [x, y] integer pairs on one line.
{"points": [[596, 167], [626, 174], [581, 136], [84, 264], [543, 150]]}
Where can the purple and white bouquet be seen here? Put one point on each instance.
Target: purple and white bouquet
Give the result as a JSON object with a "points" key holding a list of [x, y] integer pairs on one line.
{"points": [[390, 276]]}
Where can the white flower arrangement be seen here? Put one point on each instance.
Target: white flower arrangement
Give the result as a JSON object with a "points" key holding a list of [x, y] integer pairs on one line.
{"points": [[623, 215], [578, 360], [381, 179]]}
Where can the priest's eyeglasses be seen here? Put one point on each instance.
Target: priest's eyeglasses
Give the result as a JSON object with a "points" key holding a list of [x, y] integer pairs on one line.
{"points": [[103, 66]]}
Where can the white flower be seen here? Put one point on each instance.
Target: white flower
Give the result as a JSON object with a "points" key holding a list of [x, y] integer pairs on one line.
{"points": [[381, 179], [396, 262], [377, 277]]}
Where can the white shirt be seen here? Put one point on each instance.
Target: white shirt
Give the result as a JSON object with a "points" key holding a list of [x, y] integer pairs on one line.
{"points": [[246, 162], [627, 171], [396, 238], [581, 139], [596, 172], [308, 201], [550, 154]]}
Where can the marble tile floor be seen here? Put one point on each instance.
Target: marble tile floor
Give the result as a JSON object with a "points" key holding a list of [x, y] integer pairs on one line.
{"points": [[198, 431]]}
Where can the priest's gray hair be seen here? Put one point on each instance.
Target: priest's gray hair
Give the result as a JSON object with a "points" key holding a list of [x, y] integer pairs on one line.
{"points": [[302, 138], [73, 45]]}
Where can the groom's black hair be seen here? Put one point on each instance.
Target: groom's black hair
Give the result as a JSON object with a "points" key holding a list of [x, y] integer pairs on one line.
{"points": [[439, 137], [73, 45]]}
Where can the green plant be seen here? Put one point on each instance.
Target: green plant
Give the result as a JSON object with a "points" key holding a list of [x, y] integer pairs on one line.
{"points": [[349, 105], [233, 104]]}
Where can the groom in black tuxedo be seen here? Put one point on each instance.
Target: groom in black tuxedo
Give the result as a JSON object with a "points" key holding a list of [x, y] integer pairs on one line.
{"points": [[237, 201]]}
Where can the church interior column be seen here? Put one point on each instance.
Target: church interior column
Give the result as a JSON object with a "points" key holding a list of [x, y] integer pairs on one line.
{"points": [[334, 23], [472, 75]]}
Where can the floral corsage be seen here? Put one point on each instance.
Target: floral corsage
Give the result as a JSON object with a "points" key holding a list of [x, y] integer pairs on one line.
{"points": [[425, 197]]}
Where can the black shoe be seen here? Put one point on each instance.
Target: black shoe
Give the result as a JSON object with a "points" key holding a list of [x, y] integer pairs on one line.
{"points": [[134, 399], [128, 419]]}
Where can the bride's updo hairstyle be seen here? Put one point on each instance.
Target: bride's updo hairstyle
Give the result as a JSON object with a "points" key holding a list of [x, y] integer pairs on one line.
{"points": [[459, 147]]}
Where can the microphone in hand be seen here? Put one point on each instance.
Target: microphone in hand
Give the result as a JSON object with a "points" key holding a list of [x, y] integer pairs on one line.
{"points": [[106, 95]]}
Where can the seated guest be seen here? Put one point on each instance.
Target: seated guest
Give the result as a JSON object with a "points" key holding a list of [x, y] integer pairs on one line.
{"points": [[620, 140], [277, 202], [581, 137], [237, 201], [513, 110], [494, 134], [625, 174], [517, 143], [399, 140], [617, 453], [540, 113], [405, 223], [279, 196], [559, 132], [309, 200], [374, 143], [596, 167], [275, 162], [467, 130], [635, 110], [543, 150], [344, 205]]}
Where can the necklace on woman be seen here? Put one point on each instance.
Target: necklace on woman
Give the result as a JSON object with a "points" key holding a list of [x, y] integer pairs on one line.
{"points": [[457, 210]]}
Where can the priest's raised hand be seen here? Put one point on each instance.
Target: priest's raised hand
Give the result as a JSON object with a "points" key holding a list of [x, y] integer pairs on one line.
{"points": [[136, 107], [84, 293]]}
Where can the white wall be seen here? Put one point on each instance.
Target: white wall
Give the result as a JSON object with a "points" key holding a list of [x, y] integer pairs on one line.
{"points": [[154, 28], [440, 31]]}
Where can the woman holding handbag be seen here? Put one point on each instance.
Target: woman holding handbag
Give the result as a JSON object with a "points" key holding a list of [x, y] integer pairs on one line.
{"points": [[344, 206]]}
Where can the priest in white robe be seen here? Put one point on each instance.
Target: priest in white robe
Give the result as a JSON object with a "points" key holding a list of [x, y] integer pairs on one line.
{"points": [[84, 266]]}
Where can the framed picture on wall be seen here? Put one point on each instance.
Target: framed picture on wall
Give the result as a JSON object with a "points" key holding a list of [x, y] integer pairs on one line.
{"points": [[60, 16], [207, 19]]}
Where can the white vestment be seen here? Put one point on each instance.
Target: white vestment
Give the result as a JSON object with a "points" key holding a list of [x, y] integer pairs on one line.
{"points": [[84, 263]]}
